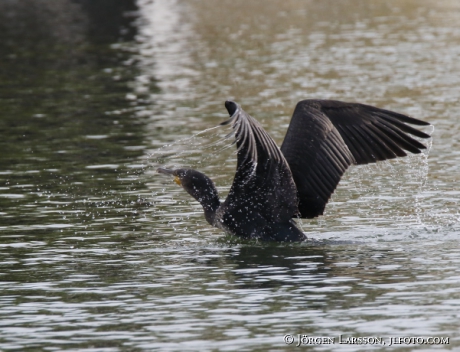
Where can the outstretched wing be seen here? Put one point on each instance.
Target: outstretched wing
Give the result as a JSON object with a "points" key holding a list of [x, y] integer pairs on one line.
{"points": [[326, 136], [263, 182]]}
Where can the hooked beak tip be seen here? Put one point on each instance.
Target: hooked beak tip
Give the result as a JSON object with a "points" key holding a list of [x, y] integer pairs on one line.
{"points": [[160, 170]]}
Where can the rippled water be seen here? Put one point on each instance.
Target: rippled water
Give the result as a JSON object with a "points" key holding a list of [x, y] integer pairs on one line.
{"points": [[98, 252]]}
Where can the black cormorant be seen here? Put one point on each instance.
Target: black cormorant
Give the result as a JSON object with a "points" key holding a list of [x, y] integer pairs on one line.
{"points": [[274, 185]]}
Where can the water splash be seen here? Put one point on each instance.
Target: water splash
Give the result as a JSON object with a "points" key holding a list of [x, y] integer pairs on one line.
{"points": [[197, 151]]}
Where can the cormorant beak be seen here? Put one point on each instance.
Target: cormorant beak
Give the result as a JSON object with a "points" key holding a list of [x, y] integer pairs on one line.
{"points": [[160, 170]]}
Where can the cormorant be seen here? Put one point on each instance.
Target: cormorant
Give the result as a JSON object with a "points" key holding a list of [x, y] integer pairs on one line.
{"points": [[274, 185]]}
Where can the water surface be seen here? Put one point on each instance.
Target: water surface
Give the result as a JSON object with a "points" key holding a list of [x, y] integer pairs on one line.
{"points": [[98, 252]]}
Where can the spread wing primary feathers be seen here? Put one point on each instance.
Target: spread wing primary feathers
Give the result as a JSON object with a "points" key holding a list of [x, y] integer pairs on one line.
{"points": [[263, 182], [326, 136]]}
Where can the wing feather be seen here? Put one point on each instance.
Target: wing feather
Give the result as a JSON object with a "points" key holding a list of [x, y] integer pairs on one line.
{"points": [[325, 137], [263, 180]]}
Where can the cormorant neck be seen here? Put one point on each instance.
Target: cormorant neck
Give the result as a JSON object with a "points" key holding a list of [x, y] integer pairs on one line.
{"points": [[209, 200], [210, 209], [206, 194]]}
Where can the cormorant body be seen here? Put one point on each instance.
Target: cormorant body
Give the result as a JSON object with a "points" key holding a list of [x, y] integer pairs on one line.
{"points": [[274, 185]]}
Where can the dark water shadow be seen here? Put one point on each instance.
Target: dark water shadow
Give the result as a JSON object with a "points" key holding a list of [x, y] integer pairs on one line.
{"points": [[71, 135]]}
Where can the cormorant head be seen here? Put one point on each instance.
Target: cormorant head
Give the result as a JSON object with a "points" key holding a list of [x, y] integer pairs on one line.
{"points": [[198, 185]]}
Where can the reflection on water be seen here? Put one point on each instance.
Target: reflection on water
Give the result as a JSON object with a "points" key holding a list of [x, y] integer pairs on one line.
{"points": [[98, 252], [68, 115]]}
